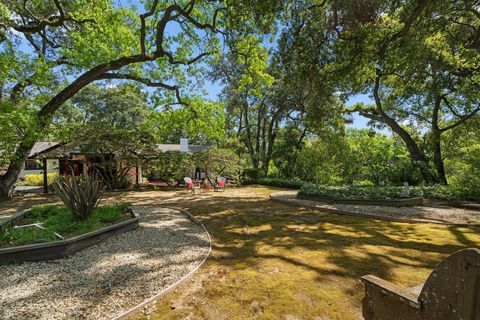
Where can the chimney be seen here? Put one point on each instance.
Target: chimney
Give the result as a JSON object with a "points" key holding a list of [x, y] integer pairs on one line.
{"points": [[183, 145]]}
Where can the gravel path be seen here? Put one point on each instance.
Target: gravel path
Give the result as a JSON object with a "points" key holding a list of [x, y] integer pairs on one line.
{"points": [[105, 280], [437, 213]]}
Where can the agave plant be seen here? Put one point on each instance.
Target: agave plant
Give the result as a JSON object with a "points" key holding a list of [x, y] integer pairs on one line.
{"points": [[80, 195]]}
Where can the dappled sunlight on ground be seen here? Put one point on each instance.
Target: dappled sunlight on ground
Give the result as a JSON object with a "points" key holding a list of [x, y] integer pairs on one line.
{"points": [[275, 261]]}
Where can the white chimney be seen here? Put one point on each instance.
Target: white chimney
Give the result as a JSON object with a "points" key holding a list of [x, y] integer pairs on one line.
{"points": [[183, 145]]}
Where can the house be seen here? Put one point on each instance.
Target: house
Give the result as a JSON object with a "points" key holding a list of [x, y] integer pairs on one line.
{"points": [[68, 159]]}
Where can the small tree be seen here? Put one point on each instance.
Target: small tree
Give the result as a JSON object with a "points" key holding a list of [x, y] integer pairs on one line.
{"points": [[171, 166], [218, 161], [114, 151]]}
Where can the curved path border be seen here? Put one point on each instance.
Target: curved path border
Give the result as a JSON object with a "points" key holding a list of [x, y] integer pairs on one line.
{"points": [[280, 197], [159, 295]]}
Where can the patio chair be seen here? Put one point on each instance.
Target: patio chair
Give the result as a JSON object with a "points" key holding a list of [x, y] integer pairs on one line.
{"points": [[189, 183], [220, 184]]}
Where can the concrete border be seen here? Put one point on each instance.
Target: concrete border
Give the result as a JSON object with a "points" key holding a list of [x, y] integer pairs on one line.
{"points": [[62, 248], [129, 313], [407, 202], [295, 202]]}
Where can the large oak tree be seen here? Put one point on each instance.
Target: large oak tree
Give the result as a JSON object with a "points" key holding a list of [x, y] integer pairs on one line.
{"points": [[50, 50]]}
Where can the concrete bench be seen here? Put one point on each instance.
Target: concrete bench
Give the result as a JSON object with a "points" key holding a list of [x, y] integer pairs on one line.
{"points": [[452, 291]]}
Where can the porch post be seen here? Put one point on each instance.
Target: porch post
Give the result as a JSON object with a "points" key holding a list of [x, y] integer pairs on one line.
{"points": [[137, 179], [45, 182]]}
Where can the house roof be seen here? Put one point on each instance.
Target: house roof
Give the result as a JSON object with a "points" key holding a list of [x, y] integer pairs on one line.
{"points": [[41, 147], [176, 147]]}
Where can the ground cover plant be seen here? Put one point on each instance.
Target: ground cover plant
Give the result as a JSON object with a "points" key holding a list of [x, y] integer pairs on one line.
{"points": [[354, 192], [60, 220], [37, 179]]}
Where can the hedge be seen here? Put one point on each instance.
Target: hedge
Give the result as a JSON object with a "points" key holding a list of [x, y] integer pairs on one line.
{"points": [[281, 183]]}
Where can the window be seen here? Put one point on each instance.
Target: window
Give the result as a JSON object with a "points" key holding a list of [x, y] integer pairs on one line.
{"points": [[32, 164]]}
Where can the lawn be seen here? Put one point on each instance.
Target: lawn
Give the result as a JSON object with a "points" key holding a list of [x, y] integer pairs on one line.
{"points": [[57, 219], [272, 261]]}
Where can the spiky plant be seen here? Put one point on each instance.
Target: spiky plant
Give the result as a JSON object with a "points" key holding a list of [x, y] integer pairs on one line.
{"points": [[80, 195]]}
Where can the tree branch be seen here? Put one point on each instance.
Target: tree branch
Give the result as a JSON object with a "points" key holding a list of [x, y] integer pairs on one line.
{"points": [[463, 118], [147, 82]]}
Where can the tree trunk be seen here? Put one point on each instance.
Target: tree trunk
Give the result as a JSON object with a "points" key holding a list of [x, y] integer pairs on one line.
{"points": [[436, 143], [8, 180], [415, 152]]}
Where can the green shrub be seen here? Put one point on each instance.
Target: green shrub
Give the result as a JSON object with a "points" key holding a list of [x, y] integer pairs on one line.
{"points": [[365, 192], [37, 179], [281, 183], [250, 175], [352, 192], [80, 195], [450, 192]]}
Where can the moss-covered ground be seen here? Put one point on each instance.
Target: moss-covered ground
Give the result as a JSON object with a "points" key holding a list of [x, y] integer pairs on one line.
{"points": [[273, 261]]}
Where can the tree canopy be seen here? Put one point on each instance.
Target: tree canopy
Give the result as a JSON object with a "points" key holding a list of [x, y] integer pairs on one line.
{"points": [[288, 72]]}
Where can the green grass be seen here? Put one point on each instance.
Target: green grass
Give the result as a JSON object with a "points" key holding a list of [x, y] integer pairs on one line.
{"points": [[60, 220]]}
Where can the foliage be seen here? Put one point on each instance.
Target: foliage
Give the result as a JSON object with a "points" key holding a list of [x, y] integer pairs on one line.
{"points": [[357, 156], [59, 220], [202, 121], [80, 195], [113, 151], [50, 50], [37, 179], [366, 192], [122, 105], [450, 192], [218, 161], [281, 183], [250, 175], [346, 192], [171, 166], [417, 60]]}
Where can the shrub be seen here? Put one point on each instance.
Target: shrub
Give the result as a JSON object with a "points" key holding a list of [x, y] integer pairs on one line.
{"points": [[37, 179], [449, 193], [171, 166], [250, 175], [353, 192], [281, 183], [363, 192], [80, 195]]}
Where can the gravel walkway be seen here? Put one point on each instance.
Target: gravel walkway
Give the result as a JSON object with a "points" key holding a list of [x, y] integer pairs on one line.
{"points": [[433, 213], [105, 280]]}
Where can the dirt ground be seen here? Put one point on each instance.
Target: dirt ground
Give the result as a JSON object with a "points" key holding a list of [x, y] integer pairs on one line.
{"points": [[274, 261]]}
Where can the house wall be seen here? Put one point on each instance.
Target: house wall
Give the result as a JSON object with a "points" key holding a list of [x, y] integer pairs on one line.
{"points": [[52, 167], [132, 174]]}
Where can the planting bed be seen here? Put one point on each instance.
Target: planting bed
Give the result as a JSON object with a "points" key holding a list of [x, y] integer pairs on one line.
{"points": [[431, 213], [51, 232]]}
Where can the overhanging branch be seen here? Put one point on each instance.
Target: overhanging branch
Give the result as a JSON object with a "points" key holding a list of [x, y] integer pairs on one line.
{"points": [[145, 81]]}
